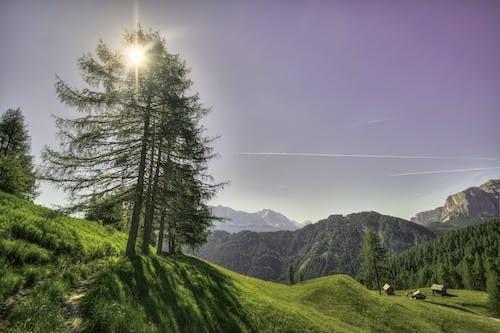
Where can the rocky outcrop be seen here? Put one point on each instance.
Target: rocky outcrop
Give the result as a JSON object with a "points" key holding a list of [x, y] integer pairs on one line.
{"points": [[480, 202], [428, 216]]}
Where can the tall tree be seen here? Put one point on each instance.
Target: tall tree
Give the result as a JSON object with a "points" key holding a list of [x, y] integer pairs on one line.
{"points": [[373, 266], [17, 174], [183, 194], [122, 137]]}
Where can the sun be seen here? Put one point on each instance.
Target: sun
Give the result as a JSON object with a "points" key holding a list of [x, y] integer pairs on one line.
{"points": [[135, 55]]}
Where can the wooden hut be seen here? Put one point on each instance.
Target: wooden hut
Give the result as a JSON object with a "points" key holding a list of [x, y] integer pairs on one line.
{"points": [[439, 289], [418, 295], [388, 289]]}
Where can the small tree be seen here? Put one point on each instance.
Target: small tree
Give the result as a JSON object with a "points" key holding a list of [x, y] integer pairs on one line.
{"points": [[373, 261], [17, 175], [291, 274], [493, 288], [107, 211], [478, 281]]}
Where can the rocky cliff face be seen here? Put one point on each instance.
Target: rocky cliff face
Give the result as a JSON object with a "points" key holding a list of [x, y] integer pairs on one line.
{"points": [[475, 202], [428, 216]]}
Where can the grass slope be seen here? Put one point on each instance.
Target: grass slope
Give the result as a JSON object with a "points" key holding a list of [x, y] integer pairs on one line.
{"points": [[185, 294]]}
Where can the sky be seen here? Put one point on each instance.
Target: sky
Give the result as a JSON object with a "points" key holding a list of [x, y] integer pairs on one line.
{"points": [[323, 107]]}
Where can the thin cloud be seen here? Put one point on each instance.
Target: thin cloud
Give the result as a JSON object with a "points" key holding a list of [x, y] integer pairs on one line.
{"points": [[418, 173], [374, 156], [372, 122]]}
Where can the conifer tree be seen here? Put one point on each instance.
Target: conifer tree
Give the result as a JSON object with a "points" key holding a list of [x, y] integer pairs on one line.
{"points": [[493, 289], [373, 267], [17, 175], [132, 120], [478, 274], [291, 274]]}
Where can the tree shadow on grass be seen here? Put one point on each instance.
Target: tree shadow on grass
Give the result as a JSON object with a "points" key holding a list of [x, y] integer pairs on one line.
{"points": [[184, 294]]}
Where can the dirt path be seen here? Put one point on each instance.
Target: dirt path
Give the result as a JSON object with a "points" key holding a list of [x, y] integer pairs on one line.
{"points": [[9, 304], [73, 315]]}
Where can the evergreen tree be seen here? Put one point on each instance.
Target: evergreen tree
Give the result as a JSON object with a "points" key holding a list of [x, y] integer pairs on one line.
{"points": [[373, 267], [291, 274], [466, 273], [493, 289], [106, 211], [424, 276], [478, 274], [444, 275], [133, 120], [17, 175]]}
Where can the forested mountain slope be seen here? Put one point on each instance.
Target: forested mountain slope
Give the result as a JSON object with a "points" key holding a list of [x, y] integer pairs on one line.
{"points": [[80, 283], [327, 247], [460, 259]]}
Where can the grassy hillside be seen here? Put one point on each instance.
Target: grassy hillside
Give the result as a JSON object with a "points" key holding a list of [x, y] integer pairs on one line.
{"points": [[84, 286]]}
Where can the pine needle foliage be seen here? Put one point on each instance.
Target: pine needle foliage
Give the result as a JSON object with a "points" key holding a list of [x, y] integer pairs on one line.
{"points": [[133, 121]]}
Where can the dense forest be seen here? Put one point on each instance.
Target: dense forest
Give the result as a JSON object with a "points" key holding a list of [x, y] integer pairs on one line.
{"points": [[465, 258]]}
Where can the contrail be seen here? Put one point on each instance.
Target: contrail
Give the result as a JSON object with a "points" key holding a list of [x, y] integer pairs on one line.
{"points": [[440, 171], [427, 157], [371, 122]]}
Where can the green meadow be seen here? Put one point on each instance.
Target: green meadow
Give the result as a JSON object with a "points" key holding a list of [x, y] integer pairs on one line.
{"points": [[63, 274]]}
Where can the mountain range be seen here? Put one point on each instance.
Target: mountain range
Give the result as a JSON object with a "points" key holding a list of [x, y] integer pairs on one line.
{"points": [[264, 244], [327, 247], [263, 220]]}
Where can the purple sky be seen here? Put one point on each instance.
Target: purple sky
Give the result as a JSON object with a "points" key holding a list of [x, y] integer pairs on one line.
{"points": [[398, 78]]}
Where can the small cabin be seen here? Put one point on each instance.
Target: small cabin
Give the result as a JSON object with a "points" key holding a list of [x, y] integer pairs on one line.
{"points": [[388, 289], [418, 295], [438, 289]]}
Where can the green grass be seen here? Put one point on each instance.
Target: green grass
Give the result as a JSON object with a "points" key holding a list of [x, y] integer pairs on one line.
{"points": [[467, 300], [185, 294], [41, 248]]}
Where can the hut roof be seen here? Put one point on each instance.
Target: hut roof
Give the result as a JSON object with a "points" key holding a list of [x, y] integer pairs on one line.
{"points": [[418, 292], [439, 287], [387, 286]]}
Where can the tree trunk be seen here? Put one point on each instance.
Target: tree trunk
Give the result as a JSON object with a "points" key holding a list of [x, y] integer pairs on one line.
{"points": [[377, 278], [159, 246], [139, 189], [149, 206], [1, 145], [171, 245]]}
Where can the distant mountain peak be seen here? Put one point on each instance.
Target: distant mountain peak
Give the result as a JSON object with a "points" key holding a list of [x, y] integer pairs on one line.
{"points": [[476, 202], [263, 220]]}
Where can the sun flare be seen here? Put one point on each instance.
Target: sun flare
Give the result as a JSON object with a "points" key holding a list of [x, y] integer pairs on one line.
{"points": [[135, 55]]}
